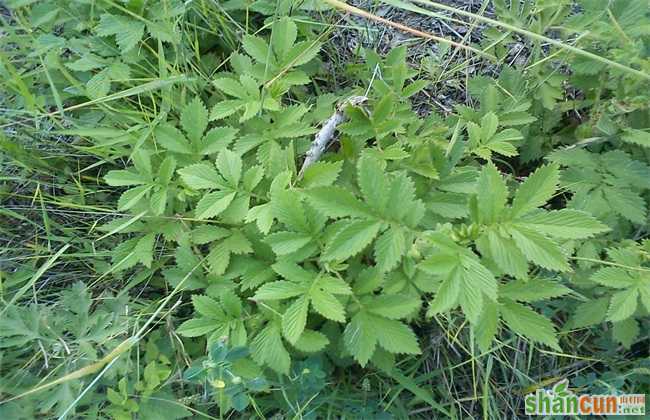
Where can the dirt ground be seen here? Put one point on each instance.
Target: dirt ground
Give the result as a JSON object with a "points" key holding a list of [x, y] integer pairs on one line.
{"points": [[442, 95]]}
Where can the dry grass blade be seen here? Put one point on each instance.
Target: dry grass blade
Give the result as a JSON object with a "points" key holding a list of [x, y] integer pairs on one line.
{"points": [[360, 12], [532, 35], [49, 263]]}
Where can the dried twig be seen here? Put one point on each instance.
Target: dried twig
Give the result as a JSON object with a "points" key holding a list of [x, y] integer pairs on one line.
{"points": [[326, 134]]}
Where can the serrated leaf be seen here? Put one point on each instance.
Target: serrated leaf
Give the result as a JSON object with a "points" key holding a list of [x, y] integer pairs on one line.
{"points": [[644, 294], [402, 203], [288, 209], [638, 137], [627, 203], [121, 178], [360, 338], [185, 258], [130, 198], [87, 62], [291, 271], [351, 240], [229, 86], [224, 109], [284, 243], [327, 305], [212, 204], [474, 133], [477, 276], [471, 300], [321, 174], [516, 119], [142, 161], [396, 306], [127, 32], [172, 139], [492, 194], [143, 249], [502, 142], [395, 336], [237, 210], [194, 119], [166, 170], [257, 48], [302, 53], [283, 35], [334, 285], [450, 205], [278, 290], [237, 243], [201, 176], [382, 110], [533, 290], [269, 350], [487, 326], [623, 304], [129, 36], [263, 217], [196, 327], [440, 264], [489, 125], [295, 319], [217, 140], [218, 259], [389, 249], [158, 201], [536, 190], [372, 182], [615, 277], [337, 202], [626, 331], [208, 307], [589, 313], [163, 31], [229, 165], [123, 256], [539, 249], [231, 303], [528, 323], [119, 71], [311, 341], [250, 110], [294, 77], [564, 223], [447, 295], [505, 253], [252, 177], [207, 233], [99, 85]]}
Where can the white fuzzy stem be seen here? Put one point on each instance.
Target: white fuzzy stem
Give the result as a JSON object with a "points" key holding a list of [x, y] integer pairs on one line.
{"points": [[324, 137], [322, 141]]}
